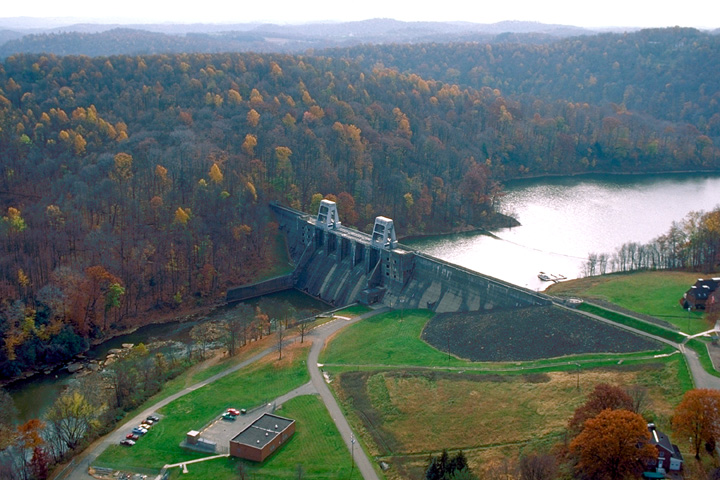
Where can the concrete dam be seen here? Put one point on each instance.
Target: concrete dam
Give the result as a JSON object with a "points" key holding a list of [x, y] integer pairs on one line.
{"points": [[341, 265]]}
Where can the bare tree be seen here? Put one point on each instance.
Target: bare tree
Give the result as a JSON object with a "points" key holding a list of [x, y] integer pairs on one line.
{"points": [[305, 326], [204, 334], [639, 396], [236, 328], [538, 466], [280, 337], [8, 412]]}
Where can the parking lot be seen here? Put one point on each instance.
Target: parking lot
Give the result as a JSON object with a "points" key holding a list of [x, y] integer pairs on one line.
{"points": [[221, 431]]}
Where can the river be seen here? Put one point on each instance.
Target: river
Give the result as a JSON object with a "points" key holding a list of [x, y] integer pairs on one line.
{"points": [[34, 395], [564, 219]]}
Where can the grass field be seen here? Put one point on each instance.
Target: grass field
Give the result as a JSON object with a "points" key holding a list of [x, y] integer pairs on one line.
{"points": [[316, 448], [651, 293], [394, 338], [485, 414], [259, 383]]}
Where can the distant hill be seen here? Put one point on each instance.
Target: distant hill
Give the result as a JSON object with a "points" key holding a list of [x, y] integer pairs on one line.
{"points": [[105, 40], [7, 35]]}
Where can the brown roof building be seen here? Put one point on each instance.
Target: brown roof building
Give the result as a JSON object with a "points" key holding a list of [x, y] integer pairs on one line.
{"points": [[261, 438]]}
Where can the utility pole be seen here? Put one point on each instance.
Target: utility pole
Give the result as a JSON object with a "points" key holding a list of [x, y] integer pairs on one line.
{"points": [[578, 376], [352, 453]]}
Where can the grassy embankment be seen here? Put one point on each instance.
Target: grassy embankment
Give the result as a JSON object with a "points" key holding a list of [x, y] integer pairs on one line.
{"points": [[393, 340], [649, 293], [392, 385]]}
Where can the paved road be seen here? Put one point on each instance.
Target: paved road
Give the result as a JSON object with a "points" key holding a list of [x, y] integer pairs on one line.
{"points": [[701, 378], [319, 335], [80, 472], [318, 384]]}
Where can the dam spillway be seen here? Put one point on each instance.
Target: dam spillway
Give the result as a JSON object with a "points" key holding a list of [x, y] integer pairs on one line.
{"points": [[342, 265]]}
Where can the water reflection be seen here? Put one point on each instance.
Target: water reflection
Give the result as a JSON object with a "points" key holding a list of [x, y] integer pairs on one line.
{"points": [[565, 219]]}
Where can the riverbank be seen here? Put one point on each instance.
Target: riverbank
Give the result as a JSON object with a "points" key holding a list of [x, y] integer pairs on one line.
{"points": [[496, 222], [188, 315], [553, 176]]}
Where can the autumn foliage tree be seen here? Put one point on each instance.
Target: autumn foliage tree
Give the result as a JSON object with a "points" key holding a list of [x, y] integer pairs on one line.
{"points": [[603, 397], [613, 446], [697, 416]]}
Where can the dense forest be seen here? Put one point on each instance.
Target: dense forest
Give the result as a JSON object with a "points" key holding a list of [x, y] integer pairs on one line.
{"points": [[135, 185], [665, 74]]}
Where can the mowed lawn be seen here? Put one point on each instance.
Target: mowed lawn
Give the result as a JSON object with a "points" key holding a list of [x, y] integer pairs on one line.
{"points": [[484, 413], [651, 293], [316, 449], [259, 383], [391, 338]]}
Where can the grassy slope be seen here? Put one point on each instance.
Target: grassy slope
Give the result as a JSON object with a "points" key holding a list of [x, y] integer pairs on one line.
{"points": [[509, 414], [651, 293]]}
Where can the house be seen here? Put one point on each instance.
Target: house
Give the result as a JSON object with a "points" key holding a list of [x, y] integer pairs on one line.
{"points": [[704, 293], [669, 457], [262, 437]]}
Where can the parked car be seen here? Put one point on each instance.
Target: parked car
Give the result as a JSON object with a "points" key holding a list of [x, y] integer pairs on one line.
{"points": [[127, 442], [154, 418], [132, 436], [228, 416], [145, 426], [139, 431], [148, 422], [233, 411]]}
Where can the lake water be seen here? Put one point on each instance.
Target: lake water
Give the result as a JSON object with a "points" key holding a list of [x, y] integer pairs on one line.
{"points": [[565, 219]]}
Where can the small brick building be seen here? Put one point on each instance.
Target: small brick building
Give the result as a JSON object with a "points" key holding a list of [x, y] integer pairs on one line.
{"points": [[704, 294], [261, 438]]}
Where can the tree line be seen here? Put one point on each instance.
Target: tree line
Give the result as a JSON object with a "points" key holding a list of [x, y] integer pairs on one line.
{"points": [[666, 75], [690, 244]]}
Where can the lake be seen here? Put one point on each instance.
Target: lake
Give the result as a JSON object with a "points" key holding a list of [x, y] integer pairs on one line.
{"points": [[565, 219]]}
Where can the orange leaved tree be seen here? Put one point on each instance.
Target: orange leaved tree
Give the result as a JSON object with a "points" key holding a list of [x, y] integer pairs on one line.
{"points": [[613, 445], [697, 417]]}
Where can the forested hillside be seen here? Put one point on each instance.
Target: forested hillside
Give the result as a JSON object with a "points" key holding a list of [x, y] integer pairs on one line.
{"points": [[135, 185], [668, 74]]}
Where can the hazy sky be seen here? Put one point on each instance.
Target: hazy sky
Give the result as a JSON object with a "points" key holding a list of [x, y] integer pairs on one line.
{"points": [[625, 13]]}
